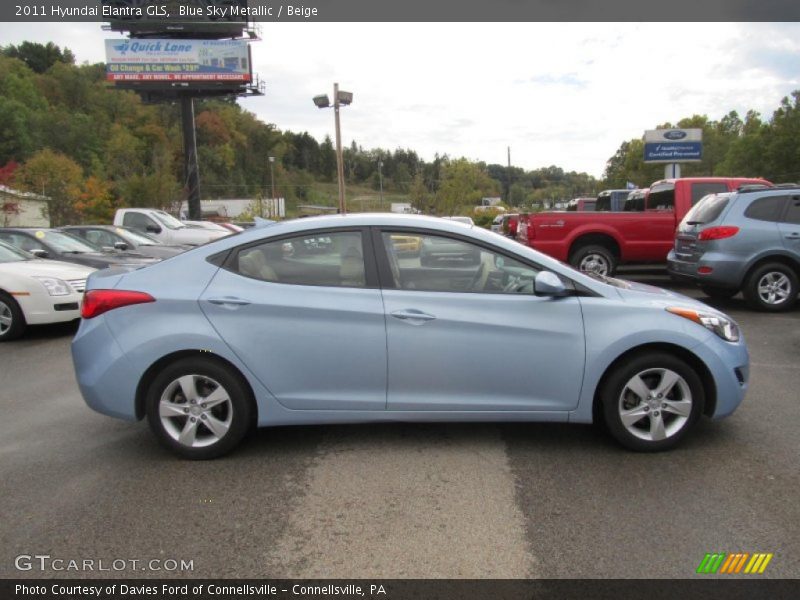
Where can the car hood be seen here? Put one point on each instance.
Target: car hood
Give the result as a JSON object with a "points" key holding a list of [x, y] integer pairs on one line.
{"points": [[46, 268], [190, 235], [650, 295]]}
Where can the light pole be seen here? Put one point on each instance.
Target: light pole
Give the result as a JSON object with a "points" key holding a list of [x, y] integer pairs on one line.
{"points": [[380, 179], [339, 99], [272, 175]]}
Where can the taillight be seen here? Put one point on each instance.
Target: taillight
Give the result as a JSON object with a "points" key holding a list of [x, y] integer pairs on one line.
{"points": [[96, 302], [718, 233]]}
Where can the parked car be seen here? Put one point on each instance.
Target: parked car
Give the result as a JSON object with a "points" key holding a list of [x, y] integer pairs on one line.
{"points": [[164, 227], [497, 224], [35, 291], [241, 332], [747, 240], [636, 200], [407, 244], [582, 204], [600, 241], [58, 245], [209, 225], [510, 224], [611, 200], [124, 239]]}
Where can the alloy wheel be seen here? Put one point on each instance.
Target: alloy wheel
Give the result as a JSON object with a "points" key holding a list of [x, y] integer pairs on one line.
{"points": [[6, 318], [655, 404], [195, 411], [774, 288], [594, 263]]}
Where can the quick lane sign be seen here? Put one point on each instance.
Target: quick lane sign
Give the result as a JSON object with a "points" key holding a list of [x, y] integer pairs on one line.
{"points": [[673, 145]]}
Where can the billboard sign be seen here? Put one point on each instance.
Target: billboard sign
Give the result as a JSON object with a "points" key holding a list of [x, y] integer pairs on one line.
{"points": [[178, 60], [673, 145]]}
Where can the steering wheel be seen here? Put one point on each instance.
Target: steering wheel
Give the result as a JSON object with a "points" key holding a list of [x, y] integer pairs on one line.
{"points": [[478, 276]]}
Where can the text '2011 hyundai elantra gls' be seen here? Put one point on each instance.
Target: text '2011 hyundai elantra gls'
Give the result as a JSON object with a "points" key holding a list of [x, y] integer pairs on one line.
{"points": [[322, 320]]}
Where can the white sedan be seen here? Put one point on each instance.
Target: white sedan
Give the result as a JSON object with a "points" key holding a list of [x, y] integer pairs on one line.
{"points": [[35, 291]]}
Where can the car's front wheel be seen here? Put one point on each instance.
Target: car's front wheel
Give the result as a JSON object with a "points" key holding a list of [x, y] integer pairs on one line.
{"points": [[652, 401], [199, 408], [12, 321]]}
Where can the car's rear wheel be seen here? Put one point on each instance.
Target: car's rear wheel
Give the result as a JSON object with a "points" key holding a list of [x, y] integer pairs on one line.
{"points": [[772, 287], [199, 408], [652, 401], [594, 259], [12, 321], [719, 293]]}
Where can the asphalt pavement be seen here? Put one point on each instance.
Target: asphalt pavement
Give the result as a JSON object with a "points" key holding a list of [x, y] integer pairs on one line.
{"points": [[404, 500]]}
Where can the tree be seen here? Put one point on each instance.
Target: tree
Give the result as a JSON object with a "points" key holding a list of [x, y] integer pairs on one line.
{"points": [[464, 183], [39, 57], [95, 203], [59, 178]]}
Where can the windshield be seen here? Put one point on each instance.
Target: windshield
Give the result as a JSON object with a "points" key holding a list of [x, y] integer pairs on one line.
{"points": [[64, 242], [707, 210], [10, 254], [167, 220], [137, 237]]}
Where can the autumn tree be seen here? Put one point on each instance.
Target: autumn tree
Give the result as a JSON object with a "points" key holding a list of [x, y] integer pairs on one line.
{"points": [[57, 177]]}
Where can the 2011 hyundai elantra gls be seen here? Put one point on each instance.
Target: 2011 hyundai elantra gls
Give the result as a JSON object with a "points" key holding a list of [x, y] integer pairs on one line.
{"points": [[265, 328]]}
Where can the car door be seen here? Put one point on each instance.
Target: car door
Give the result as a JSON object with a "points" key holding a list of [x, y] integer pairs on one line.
{"points": [[790, 226], [305, 314], [466, 332]]}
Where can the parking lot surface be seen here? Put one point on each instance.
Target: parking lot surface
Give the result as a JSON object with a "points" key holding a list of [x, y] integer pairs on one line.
{"points": [[430, 500]]}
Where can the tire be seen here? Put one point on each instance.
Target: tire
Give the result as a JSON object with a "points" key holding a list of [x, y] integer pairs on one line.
{"points": [[12, 321], [594, 258], [677, 411], [220, 423], [772, 287], [719, 293]]}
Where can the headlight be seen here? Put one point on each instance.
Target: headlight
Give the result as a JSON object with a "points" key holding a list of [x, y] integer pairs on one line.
{"points": [[723, 327], [55, 287]]}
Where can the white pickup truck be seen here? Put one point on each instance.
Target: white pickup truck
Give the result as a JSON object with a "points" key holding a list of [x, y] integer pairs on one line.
{"points": [[164, 227]]}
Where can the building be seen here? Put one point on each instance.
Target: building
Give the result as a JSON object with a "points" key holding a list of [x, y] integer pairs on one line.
{"points": [[22, 209]]}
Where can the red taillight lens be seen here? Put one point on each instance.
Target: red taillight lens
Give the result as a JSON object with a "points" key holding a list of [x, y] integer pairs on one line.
{"points": [[718, 233], [96, 302]]}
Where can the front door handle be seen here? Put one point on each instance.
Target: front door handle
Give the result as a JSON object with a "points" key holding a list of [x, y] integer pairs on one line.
{"points": [[793, 236], [229, 301], [412, 314]]}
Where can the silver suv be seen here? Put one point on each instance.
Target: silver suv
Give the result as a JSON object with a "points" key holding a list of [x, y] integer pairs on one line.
{"points": [[748, 241]]}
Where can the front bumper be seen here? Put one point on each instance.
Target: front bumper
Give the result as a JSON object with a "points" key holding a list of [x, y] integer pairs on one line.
{"points": [[729, 364], [41, 308]]}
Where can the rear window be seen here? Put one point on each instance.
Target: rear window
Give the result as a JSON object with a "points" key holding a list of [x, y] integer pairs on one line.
{"points": [[662, 197], [700, 190], [768, 208], [634, 202], [707, 210], [603, 203]]}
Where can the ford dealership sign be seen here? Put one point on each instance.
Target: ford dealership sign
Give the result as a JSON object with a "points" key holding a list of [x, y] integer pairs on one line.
{"points": [[673, 145]]}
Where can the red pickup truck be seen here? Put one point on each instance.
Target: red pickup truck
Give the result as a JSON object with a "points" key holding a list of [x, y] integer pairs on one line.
{"points": [[600, 241]]}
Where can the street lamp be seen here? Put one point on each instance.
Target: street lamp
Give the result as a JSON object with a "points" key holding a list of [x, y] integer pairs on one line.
{"points": [[380, 179], [340, 98], [272, 175]]}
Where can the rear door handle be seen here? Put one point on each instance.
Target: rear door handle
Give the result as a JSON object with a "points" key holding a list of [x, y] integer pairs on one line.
{"points": [[412, 314], [229, 301], [793, 236]]}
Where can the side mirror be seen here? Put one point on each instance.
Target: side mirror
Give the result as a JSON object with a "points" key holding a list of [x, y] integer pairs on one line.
{"points": [[39, 253], [153, 229], [121, 246], [549, 284]]}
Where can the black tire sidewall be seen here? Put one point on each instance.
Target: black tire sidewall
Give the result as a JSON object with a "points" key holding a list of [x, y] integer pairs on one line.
{"points": [[241, 401], [582, 252], [751, 288], [612, 388], [17, 318]]}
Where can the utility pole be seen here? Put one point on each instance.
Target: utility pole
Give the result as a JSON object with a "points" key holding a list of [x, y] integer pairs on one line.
{"points": [[190, 169], [508, 195], [380, 178], [339, 156]]}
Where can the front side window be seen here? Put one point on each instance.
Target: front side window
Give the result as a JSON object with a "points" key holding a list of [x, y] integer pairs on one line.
{"points": [[322, 259], [445, 264]]}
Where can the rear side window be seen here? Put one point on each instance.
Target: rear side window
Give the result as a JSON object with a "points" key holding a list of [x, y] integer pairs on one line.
{"points": [[661, 197], [793, 213], [603, 203], [704, 189], [766, 209], [322, 259]]}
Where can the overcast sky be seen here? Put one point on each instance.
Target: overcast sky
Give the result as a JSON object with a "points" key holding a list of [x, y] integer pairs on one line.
{"points": [[564, 94]]}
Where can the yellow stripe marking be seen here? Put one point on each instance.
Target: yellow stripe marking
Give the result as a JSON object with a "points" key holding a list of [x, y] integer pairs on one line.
{"points": [[757, 564], [766, 562]]}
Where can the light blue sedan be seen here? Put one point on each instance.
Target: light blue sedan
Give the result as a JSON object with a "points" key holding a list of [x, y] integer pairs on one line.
{"points": [[272, 327]]}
